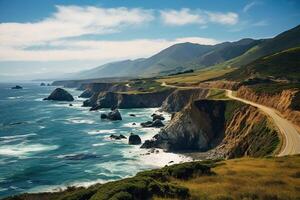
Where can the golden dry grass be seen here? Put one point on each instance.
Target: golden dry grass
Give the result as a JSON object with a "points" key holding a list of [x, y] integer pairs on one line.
{"points": [[249, 178], [196, 77]]}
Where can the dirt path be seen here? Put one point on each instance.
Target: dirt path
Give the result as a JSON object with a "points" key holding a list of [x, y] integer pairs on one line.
{"points": [[290, 134]]}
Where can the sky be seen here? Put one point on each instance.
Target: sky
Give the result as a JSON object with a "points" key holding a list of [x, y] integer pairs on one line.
{"points": [[51, 37]]}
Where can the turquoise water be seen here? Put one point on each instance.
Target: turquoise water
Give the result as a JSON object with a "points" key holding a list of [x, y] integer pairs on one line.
{"points": [[46, 145]]}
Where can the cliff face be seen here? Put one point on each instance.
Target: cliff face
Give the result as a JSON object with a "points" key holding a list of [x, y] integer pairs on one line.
{"points": [[128, 100], [98, 90], [178, 99], [232, 128], [287, 102]]}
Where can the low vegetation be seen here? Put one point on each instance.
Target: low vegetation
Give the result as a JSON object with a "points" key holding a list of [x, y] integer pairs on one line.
{"points": [[146, 85], [195, 77], [246, 178], [217, 94], [274, 88], [284, 65]]}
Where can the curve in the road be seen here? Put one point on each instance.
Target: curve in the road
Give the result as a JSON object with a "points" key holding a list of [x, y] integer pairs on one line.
{"points": [[290, 134], [288, 130]]}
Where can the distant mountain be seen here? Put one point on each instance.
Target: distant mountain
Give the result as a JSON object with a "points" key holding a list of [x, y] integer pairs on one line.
{"points": [[175, 58], [282, 65], [227, 50], [183, 56], [285, 40]]}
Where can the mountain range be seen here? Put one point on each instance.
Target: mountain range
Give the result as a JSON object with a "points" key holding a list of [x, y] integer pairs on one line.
{"points": [[183, 56]]}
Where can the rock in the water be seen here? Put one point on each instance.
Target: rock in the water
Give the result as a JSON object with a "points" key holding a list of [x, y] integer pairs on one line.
{"points": [[60, 94], [117, 137], [17, 87], [132, 115], [133, 123], [48, 84], [114, 115], [156, 116], [42, 84], [156, 123], [103, 116], [134, 139], [70, 104]]}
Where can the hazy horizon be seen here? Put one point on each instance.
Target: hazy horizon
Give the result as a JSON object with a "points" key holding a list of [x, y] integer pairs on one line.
{"points": [[49, 39]]}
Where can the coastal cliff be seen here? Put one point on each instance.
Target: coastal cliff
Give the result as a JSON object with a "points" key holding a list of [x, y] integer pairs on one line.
{"points": [[286, 101], [232, 128], [178, 99], [129, 100]]}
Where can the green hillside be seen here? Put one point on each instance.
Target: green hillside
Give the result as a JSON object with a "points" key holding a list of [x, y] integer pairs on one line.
{"points": [[176, 58], [282, 65], [285, 40]]}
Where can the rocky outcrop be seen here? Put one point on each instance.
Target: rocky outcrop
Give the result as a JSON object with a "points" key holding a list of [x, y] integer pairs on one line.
{"points": [[178, 99], [87, 93], [157, 116], [117, 137], [157, 123], [287, 101], [17, 87], [43, 84], [60, 94], [232, 128], [113, 115], [127, 100], [134, 139]]}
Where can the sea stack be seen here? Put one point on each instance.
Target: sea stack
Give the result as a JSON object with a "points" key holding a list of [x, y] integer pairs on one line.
{"points": [[60, 94], [17, 87]]}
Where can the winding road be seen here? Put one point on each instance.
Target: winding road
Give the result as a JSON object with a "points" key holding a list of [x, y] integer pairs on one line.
{"points": [[291, 137], [290, 134]]}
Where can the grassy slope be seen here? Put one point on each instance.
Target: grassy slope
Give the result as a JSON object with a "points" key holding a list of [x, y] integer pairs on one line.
{"points": [[282, 65], [196, 77], [245, 178], [285, 40], [249, 178]]}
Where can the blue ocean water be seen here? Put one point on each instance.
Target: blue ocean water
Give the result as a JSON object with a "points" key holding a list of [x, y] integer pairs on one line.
{"points": [[47, 145]]}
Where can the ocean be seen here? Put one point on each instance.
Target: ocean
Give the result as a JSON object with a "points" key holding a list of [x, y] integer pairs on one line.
{"points": [[48, 145]]}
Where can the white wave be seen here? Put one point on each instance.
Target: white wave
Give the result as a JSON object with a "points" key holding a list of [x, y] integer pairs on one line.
{"points": [[39, 99], [18, 97], [66, 155], [16, 136], [56, 188], [131, 125], [109, 131], [24, 149], [81, 121], [99, 144]]}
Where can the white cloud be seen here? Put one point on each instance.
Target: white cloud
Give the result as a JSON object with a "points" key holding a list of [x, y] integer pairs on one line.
{"points": [[229, 18], [59, 37], [186, 16], [248, 6], [181, 17], [71, 21], [96, 50]]}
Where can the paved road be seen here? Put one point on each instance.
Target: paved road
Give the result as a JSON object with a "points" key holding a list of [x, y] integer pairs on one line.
{"points": [[291, 137]]}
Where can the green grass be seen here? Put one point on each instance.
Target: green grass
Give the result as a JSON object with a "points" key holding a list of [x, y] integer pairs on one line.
{"points": [[245, 178], [217, 94], [282, 65], [195, 77], [140, 86], [273, 88]]}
